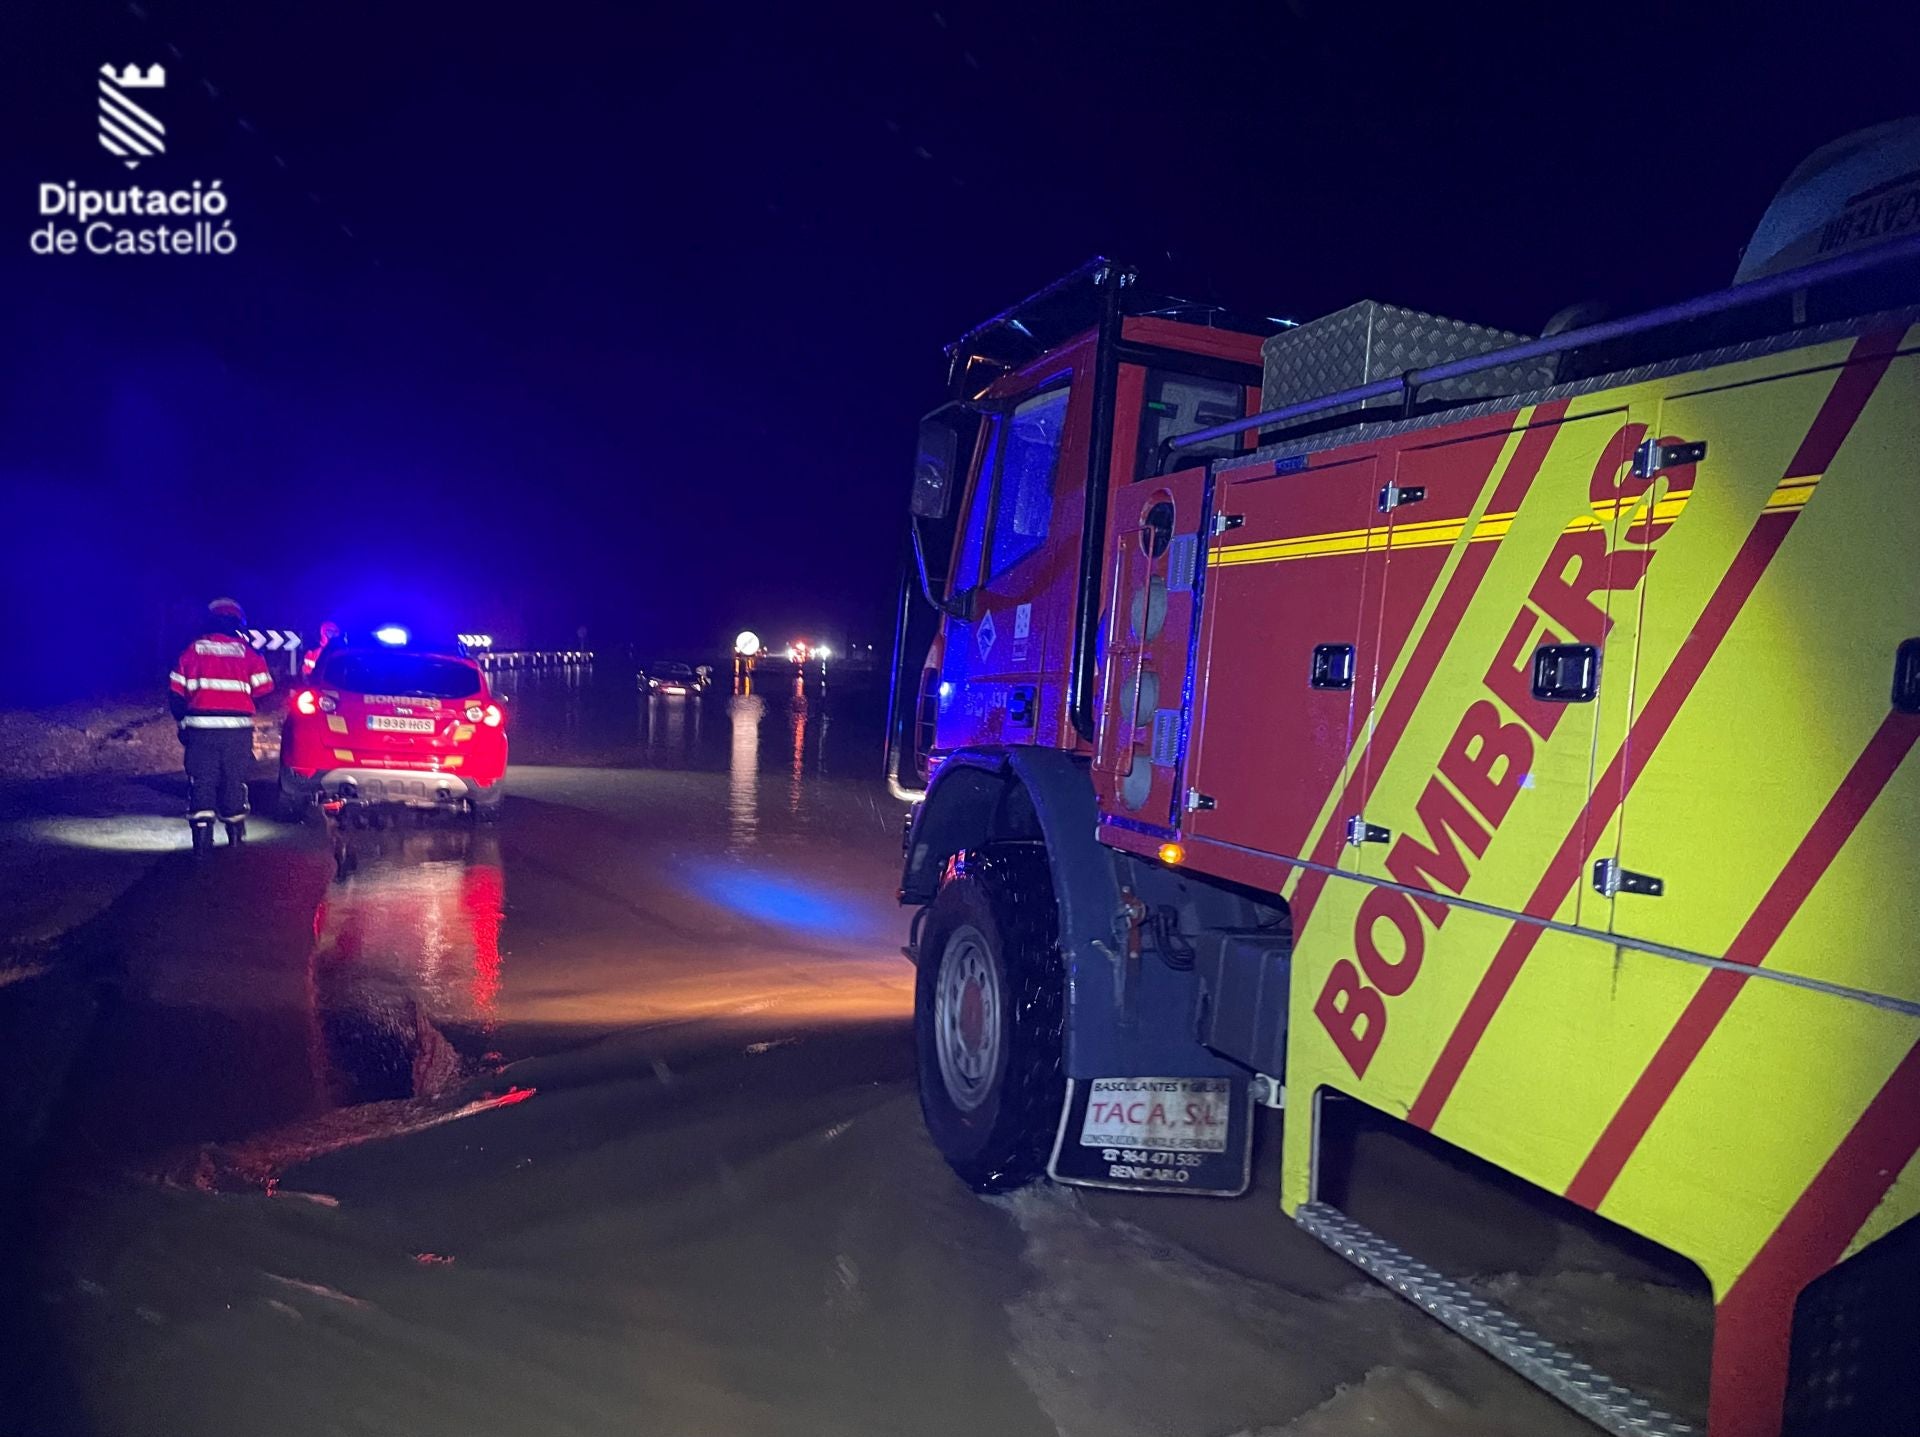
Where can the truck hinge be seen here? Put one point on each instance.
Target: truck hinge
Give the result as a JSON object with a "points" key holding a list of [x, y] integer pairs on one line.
{"points": [[1224, 522], [1359, 831], [1394, 495], [1269, 1092], [1653, 456], [1198, 802], [1610, 878]]}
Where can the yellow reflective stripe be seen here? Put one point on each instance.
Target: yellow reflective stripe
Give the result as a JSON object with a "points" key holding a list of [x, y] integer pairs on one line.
{"points": [[1350, 541], [1434, 533], [1793, 491]]}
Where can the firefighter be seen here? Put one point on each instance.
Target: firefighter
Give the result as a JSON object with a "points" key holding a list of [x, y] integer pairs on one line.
{"points": [[329, 631], [215, 683]]}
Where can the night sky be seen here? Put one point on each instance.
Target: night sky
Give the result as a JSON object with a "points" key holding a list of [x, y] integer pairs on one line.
{"points": [[621, 316]]}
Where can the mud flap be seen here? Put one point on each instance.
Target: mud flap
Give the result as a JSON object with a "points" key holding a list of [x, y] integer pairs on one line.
{"points": [[1162, 1135]]}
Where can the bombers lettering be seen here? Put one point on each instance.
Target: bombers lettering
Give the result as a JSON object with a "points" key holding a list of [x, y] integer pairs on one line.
{"points": [[1487, 760]]}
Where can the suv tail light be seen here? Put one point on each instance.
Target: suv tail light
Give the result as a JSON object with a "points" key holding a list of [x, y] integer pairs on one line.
{"points": [[491, 718], [306, 702]]}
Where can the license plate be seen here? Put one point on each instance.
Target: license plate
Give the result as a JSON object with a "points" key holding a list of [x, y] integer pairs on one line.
{"points": [[399, 725], [1188, 1135]]}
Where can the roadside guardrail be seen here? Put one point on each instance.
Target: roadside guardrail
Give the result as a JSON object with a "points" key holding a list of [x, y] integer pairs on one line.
{"points": [[533, 658]]}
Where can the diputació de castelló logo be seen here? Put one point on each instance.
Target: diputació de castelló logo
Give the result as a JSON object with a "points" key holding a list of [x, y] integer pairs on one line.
{"points": [[80, 220]]}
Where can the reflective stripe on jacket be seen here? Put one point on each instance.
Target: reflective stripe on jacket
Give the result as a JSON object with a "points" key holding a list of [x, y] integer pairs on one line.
{"points": [[219, 676]]}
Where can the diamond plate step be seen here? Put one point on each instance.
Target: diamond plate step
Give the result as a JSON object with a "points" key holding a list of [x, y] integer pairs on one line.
{"points": [[1592, 1394]]}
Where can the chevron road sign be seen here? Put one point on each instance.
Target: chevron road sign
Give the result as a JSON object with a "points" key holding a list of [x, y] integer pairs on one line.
{"points": [[273, 640]]}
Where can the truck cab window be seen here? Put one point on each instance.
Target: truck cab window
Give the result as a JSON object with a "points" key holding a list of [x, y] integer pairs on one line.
{"points": [[973, 528], [1023, 505], [1177, 404]]}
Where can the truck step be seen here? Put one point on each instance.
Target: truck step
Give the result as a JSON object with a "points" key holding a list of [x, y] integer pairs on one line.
{"points": [[1591, 1393]]}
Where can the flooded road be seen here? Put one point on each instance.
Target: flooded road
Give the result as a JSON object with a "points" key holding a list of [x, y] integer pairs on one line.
{"points": [[602, 1121]]}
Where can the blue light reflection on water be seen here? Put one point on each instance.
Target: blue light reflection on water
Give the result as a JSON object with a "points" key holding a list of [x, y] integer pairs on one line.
{"points": [[779, 899]]}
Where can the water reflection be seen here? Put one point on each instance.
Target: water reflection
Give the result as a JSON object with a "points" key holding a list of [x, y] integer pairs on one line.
{"points": [[406, 946], [797, 713], [606, 724], [671, 721], [745, 710]]}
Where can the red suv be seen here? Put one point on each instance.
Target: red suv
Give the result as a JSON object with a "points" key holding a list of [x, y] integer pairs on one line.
{"points": [[384, 719]]}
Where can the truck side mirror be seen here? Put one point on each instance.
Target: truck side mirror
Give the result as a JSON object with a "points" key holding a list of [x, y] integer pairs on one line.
{"points": [[935, 464]]}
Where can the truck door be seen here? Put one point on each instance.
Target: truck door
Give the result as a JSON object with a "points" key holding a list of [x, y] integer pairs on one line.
{"points": [[1014, 566], [1154, 551], [1286, 664], [1768, 806], [1498, 544]]}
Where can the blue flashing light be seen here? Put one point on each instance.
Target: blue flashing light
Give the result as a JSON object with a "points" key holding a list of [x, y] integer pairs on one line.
{"points": [[391, 634]]}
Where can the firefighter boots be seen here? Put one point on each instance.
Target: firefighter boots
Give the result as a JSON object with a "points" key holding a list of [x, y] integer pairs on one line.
{"points": [[236, 831], [202, 839]]}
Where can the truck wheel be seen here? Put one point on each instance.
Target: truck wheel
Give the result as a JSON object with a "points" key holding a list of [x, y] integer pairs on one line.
{"points": [[987, 1017]]}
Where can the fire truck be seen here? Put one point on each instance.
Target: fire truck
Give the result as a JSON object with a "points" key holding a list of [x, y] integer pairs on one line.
{"points": [[1504, 742]]}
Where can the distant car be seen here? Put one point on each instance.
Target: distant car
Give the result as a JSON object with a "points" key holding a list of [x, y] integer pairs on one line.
{"points": [[672, 679], [388, 718]]}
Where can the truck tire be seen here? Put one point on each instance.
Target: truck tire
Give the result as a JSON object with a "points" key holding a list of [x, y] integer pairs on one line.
{"points": [[988, 1008]]}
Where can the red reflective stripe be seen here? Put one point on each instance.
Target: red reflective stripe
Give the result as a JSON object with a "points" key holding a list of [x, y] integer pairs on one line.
{"points": [[1851, 389], [1753, 1324], [1871, 773], [1867, 362], [1528, 456]]}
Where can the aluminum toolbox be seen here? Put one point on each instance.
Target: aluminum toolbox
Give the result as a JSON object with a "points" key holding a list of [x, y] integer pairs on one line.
{"points": [[1370, 340]]}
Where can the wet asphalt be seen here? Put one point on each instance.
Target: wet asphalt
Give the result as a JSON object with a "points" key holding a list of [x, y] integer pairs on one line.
{"points": [[602, 1121]]}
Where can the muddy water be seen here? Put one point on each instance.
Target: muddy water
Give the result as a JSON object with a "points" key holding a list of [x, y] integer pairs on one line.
{"points": [[603, 1122]]}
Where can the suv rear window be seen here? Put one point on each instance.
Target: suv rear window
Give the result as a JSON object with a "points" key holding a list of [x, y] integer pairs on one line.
{"points": [[414, 675]]}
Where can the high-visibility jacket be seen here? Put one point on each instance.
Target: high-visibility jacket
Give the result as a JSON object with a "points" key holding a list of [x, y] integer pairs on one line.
{"points": [[217, 678]]}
